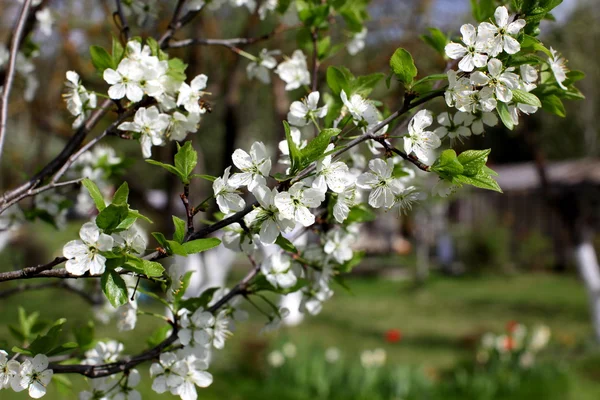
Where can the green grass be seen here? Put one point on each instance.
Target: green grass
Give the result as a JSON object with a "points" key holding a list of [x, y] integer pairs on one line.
{"points": [[440, 324]]}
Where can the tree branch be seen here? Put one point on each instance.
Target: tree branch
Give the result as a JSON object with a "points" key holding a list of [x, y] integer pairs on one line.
{"points": [[122, 24], [10, 72]]}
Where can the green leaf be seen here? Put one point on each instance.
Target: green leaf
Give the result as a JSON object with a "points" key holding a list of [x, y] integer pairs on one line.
{"points": [[293, 149], [423, 85], [209, 178], [483, 9], [403, 66], [447, 164], [315, 149], [114, 288], [161, 239], [286, 245], [138, 215], [199, 245], [60, 349], [141, 266], [94, 193], [521, 96], [473, 161], [481, 180], [121, 195], [364, 85], [505, 116], [44, 343], [111, 217], [553, 104], [168, 167], [84, 335], [117, 51], [177, 248], [101, 59], [360, 213], [338, 79], [436, 39], [177, 69], [185, 282], [186, 160], [179, 234]]}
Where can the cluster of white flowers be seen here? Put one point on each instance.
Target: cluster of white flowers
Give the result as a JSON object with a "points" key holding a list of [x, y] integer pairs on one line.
{"points": [[85, 255], [32, 374], [482, 80], [139, 74]]}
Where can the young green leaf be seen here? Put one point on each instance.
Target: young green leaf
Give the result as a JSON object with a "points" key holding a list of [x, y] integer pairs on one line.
{"points": [[447, 164], [186, 160], [293, 149], [110, 218], [168, 167], [436, 39], [121, 195], [505, 116], [179, 234], [94, 193], [403, 66], [473, 161], [199, 245], [521, 96], [553, 104], [114, 288], [285, 244], [101, 59]]}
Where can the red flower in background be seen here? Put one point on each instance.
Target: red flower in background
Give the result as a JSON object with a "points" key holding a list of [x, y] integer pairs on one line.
{"points": [[511, 326], [393, 336], [509, 344]]}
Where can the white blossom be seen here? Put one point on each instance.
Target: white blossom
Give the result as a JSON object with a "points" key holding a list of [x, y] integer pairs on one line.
{"points": [[381, 183], [260, 68], [294, 71], [83, 255], [334, 176], [278, 271], [558, 65], [189, 95], [34, 376], [126, 391], [151, 124], [357, 44], [338, 245], [500, 36], [45, 20], [346, 199], [104, 353], [131, 240], [255, 166], [268, 216], [361, 109], [472, 53], [405, 199], [226, 194], [180, 125], [418, 140], [301, 112], [193, 330], [79, 100], [266, 6], [501, 80], [8, 369], [295, 203], [455, 127], [125, 81]]}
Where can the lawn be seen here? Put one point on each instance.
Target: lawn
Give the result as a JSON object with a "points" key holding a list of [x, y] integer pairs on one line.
{"points": [[440, 323]]}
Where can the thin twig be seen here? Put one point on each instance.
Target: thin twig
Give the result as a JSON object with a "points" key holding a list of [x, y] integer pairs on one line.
{"points": [[123, 25], [185, 196], [10, 72]]}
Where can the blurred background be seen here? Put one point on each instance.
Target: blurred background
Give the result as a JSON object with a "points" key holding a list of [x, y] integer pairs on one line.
{"points": [[477, 296]]}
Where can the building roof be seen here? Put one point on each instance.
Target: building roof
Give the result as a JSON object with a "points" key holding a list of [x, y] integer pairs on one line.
{"points": [[524, 176]]}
